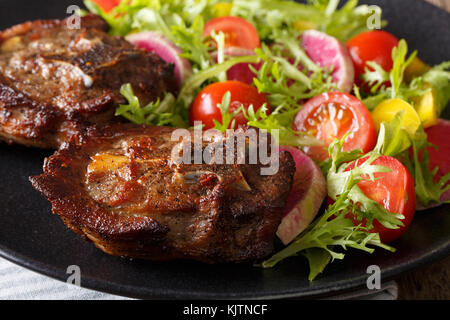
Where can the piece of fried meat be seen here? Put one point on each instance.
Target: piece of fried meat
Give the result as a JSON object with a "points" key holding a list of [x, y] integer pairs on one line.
{"points": [[122, 189], [55, 81]]}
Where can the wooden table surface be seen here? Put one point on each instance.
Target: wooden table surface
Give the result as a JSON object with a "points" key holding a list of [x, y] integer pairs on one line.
{"points": [[431, 281]]}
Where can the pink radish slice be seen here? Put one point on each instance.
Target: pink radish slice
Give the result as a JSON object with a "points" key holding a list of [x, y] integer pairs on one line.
{"points": [[155, 42], [327, 51], [240, 72], [308, 191]]}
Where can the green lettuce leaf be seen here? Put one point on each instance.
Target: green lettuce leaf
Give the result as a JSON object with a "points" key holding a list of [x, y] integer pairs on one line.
{"points": [[160, 113], [274, 15], [396, 142], [333, 232], [439, 78]]}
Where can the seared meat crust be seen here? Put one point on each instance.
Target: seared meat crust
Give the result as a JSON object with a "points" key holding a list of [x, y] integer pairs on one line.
{"points": [[56, 81], [121, 189]]}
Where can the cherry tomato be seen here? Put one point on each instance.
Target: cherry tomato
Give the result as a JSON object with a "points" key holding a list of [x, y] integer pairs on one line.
{"points": [[107, 5], [238, 32], [373, 45], [331, 115], [440, 156], [205, 108], [394, 190]]}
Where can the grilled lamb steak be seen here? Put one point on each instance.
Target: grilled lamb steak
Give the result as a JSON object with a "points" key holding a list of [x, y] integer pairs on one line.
{"points": [[56, 81], [121, 189]]}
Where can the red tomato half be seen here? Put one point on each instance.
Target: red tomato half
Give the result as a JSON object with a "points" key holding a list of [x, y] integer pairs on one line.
{"points": [[438, 135], [107, 5], [205, 108], [331, 115], [373, 45], [394, 190], [238, 32]]}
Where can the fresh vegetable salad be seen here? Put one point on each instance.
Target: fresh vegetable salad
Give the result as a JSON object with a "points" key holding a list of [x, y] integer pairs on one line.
{"points": [[358, 112]]}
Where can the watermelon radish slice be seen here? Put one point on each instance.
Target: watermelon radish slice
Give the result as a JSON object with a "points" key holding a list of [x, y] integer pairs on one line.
{"points": [[327, 51], [308, 191], [169, 52], [240, 72]]}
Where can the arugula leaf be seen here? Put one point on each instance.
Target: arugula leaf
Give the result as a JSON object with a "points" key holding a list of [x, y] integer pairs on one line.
{"points": [[227, 117], [318, 259], [323, 238]]}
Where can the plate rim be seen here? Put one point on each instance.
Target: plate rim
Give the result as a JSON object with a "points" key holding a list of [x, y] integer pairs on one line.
{"points": [[323, 291], [344, 285]]}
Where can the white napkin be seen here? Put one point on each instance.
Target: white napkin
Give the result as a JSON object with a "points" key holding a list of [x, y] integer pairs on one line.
{"points": [[17, 283]]}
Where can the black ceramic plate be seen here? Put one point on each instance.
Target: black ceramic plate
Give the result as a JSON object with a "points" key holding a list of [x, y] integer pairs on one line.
{"points": [[34, 238]]}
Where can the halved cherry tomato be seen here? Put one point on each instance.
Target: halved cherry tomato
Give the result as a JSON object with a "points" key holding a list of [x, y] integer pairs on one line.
{"points": [[205, 108], [107, 5], [394, 190], [375, 45], [438, 136], [331, 115], [238, 32]]}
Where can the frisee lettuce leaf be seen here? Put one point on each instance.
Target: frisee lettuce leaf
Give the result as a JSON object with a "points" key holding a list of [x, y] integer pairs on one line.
{"points": [[261, 119], [281, 121], [190, 40], [428, 191], [273, 15], [324, 240], [152, 15], [193, 85], [377, 77], [281, 77], [438, 77], [161, 112], [337, 184], [396, 142], [328, 237]]}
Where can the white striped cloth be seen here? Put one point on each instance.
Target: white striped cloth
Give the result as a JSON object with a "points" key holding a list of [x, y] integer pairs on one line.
{"points": [[17, 283]]}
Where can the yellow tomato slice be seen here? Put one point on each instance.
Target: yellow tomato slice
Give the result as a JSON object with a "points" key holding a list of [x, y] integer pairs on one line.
{"points": [[304, 25], [387, 110], [222, 9], [427, 109], [416, 69]]}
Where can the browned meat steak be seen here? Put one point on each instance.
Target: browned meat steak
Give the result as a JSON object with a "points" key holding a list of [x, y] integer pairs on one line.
{"points": [[54, 81], [123, 190]]}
